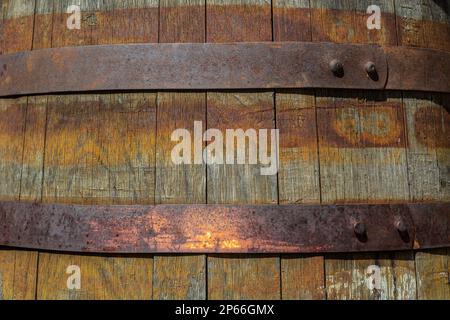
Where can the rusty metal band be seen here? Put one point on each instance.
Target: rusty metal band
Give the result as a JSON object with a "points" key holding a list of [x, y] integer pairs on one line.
{"points": [[225, 228], [264, 65]]}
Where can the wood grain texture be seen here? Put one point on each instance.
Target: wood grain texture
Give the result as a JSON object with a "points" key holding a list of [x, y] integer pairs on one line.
{"points": [[238, 20], [237, 277], [18, 274], [361, 147], [240, 183], [398, 275], [101, 277], [384, 276], [98, 148], [33, 145], [302, 276], [240, 277], [180, 276], [423, 23], [291, 20], [346, 21], [17, 25], [432, 268], [18, 269], [428, 123]]}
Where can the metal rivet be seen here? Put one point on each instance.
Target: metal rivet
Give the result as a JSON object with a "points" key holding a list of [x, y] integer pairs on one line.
{"points": [[337, 68], [359, 228], [360, 231], [402, 229], [371, 70], [401, 226]]}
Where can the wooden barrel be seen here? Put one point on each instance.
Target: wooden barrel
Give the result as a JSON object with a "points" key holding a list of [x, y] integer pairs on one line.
{"points": [[335, 147]]}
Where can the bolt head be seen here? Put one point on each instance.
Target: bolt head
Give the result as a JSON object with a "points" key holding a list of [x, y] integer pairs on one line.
{"points": [[337, 68], [370, 67], [371, 70], [360, 228], [401, 226]]}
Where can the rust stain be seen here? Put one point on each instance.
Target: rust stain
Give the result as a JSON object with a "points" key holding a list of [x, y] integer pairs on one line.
{"points": [[182, 24], [361, 126], [424, 33], [333, 25], [291, 24], [236, 23], [43, 25], [12, 117], [240, 110], [132, 25], [17, 34], [432, 127], [231, 23], [84, 130], [297, 128]]}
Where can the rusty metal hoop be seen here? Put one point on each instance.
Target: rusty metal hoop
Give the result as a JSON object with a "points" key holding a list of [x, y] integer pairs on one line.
{"points": [[258, 65], [225, 228]]}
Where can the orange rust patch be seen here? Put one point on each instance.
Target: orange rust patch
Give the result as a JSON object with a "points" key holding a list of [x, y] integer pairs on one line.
{"points": [[333, 25], [297, 128], [344, 26], [424, 33], [432, 127], [43, 25], [95, 133], [182, 24], [291, 24], [235, 111], [361, 127], [136, 25], [235, 23], [17, 34], [12, 118]]}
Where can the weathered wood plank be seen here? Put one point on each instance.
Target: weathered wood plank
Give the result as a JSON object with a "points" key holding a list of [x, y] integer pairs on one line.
{"points": [[291, 20], [361, 151], [18, 269], [348, 277], [181, 276], [398, 270], [428, 124], [423, 23], [101, 277], [427, 24], [240, 277], [100, 149], [237, 277], [346, 22], [33, 146], [384, 276], [298, 174], [361, 146], [240, 183], [238, 20], [17, 274], [433, 275], [302, 276], [12, 126], [17, 25]]}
